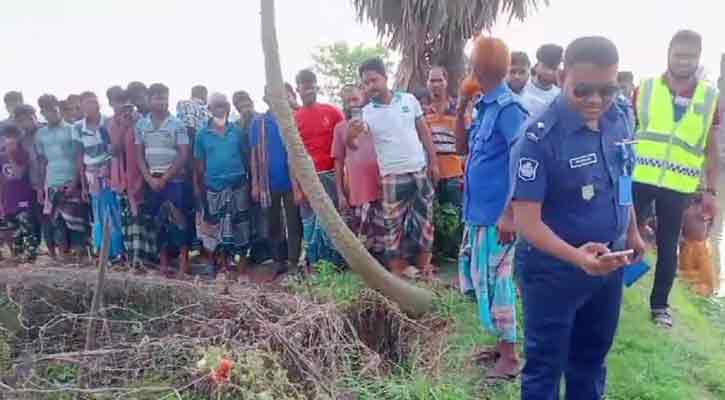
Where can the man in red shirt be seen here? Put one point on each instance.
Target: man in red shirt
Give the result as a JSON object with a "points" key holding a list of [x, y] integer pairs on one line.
{"points": [[316, 123]]}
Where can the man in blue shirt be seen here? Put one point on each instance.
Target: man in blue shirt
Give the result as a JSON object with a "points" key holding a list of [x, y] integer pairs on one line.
{"points": [[485, 262], [221, 152], [271, 189], [572, 203]]}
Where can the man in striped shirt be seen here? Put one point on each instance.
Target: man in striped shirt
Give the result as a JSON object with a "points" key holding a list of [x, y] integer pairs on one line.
{"points": [[442, 121], [163, 144], [94, 164]]}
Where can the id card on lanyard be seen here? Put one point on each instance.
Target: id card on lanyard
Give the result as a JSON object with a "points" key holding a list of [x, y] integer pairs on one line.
{"points": [[624, 184]]}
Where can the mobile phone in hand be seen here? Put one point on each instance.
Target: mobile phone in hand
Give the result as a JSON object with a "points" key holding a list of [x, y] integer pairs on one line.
{"points": [[356, 113], [616, 254]]}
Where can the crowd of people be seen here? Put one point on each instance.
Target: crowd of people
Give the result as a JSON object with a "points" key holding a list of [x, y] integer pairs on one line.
{"points": [[555, 168]]}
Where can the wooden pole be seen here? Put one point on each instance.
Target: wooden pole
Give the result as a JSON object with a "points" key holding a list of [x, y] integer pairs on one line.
{"points": [[98, 292], [411, 299]]}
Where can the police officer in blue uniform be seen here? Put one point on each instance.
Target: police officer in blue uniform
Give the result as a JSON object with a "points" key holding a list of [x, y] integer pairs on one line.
{"points": [[572, 201]]}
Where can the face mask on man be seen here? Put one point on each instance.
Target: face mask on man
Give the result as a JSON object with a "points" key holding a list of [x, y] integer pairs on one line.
{"points": [[220, 121]]}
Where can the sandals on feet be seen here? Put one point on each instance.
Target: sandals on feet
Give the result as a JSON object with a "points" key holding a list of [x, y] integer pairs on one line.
{"points": [[486, 355], [411, 273]]}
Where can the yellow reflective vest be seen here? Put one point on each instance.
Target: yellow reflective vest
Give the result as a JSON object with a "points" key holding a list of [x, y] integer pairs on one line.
{"points": [[671, 154]]}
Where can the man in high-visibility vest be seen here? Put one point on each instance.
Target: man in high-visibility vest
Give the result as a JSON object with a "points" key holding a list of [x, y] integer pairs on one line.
{"points": [[677, 154]]}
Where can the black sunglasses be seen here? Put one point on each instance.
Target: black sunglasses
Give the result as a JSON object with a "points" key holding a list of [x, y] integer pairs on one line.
{"points": [[607, 90]]}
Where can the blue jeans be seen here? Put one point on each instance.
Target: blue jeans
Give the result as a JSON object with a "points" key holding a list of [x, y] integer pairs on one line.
{"points": [[570, 320]]}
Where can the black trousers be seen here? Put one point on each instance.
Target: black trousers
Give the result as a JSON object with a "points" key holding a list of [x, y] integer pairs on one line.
{"points": [[284, 202], [669, 208]]}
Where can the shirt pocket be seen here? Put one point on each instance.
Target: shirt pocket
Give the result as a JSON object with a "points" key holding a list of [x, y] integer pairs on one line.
{"points": [[483, 136], [583, 185]]}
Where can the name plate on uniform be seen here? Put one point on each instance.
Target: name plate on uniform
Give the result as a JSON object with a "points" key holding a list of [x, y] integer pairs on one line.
{"points": [[583, 161]]}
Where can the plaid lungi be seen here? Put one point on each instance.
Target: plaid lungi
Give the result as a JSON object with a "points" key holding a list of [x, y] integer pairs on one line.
{"points": [[172, 212], [367, 223], [225, 224], [139, 233], [408, 213], [485, 266], [66, 218]]}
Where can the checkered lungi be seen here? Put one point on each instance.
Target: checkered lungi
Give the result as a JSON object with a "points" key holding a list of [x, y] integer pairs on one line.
{"points": [[408, 213], [367, 223]]}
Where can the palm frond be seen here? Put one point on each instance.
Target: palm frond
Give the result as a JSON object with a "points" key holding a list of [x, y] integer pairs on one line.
{"points": [[422, 30], [445, 22]]}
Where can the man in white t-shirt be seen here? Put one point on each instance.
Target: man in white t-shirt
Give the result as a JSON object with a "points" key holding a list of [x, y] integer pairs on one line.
{"points": [[542, 89], [408, 166]]}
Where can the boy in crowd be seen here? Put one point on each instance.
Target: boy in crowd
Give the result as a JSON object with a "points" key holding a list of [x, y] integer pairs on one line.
{"points": [[26, 119], [519, 72], [162, 143], [18, 197], [696, 261], [127, 180], [358, 176], [65, 223], [71, 109], [94, 165], [12, 100], [260, 250], [542, 89], [194, 112]]}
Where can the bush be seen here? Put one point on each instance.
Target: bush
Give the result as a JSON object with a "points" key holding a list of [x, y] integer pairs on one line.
{"points": [[448, 223]]}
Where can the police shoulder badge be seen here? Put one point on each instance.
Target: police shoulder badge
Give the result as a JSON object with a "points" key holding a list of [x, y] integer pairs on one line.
{"points": [[527, 169]]}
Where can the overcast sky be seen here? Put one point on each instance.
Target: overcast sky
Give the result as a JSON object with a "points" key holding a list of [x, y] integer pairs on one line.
{"points": [[66, 46]]}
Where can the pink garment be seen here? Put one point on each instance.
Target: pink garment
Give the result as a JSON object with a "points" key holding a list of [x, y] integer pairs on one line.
{"points": [[361, 166], [125, 174]]}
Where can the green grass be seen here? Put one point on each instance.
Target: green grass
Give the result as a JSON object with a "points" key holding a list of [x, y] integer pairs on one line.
{"points": [[646, 363]]}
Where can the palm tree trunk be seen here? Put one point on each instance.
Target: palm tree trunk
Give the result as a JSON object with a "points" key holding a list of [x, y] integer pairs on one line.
{"points": [[454, 61], [411, 299]]}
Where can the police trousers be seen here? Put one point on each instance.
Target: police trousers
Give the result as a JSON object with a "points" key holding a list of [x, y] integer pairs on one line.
{"points": [[570, 320]]}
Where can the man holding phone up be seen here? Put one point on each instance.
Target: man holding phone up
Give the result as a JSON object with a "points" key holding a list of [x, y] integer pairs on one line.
{"points": [[572, 202]]}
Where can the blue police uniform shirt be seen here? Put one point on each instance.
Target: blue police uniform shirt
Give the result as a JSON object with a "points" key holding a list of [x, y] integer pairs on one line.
{"points": [[498, 122], [627, 108], [576, 173]]}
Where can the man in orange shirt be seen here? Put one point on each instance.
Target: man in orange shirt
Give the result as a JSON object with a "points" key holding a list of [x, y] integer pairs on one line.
{"points": [[442, 121]]}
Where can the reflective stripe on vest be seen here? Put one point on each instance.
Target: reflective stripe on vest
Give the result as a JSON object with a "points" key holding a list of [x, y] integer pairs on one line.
{"points": [[671, 153]]}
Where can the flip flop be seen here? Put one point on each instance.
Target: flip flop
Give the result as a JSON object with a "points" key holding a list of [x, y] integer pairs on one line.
{"points": [[486, 355], [182, 276], [493, 378], [411, 273]]}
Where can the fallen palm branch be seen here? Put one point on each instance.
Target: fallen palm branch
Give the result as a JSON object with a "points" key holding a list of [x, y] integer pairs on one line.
{"points": [[151, 334]]}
